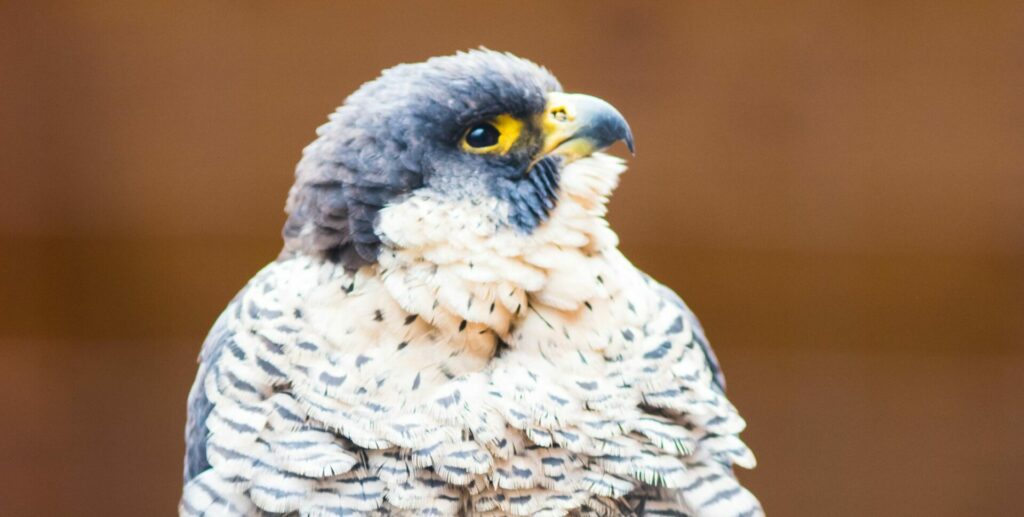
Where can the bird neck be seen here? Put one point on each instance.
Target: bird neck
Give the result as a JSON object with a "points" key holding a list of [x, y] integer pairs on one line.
{"points": [[458, 264]]}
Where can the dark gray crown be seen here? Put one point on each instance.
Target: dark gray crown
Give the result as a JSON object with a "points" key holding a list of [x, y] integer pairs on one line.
{"points": [[388, 138]]}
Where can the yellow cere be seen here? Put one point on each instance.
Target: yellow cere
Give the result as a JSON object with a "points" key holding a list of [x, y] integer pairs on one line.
{"points": [[509, 128], [558, 122]]}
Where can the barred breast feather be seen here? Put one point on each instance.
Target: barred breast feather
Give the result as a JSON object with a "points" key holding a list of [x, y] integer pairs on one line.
{"points": [[468, 372]]}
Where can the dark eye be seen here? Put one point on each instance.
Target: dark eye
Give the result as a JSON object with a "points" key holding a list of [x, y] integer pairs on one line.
{"points": [[482, 135]]}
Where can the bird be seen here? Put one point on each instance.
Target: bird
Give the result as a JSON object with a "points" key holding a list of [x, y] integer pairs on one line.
{"points": [[451, 329]]}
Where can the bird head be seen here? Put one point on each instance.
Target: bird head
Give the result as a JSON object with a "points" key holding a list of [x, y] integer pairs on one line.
{"points": [[482, 127]]}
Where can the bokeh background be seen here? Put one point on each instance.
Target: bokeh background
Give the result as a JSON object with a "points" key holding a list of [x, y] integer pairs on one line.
{"points": [[838, 190]]}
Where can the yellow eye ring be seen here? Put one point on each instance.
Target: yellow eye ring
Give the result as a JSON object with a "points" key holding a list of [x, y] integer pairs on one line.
{"points": [[495, 136]]}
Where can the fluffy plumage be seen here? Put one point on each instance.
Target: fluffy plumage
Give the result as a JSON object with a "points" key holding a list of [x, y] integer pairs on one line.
{"points": [[418, 350]]}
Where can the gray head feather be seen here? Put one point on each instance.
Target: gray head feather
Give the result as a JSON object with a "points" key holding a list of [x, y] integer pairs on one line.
{"points": [[399, 133]]}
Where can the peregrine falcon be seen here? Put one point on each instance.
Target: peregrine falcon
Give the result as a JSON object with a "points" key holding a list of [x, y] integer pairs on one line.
{"points": [[451, 329]]}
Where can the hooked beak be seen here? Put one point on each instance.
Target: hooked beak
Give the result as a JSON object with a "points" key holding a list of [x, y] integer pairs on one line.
{"points": [[576, 126]]}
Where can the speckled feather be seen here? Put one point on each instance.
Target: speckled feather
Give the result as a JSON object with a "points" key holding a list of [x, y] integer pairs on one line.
{"points": [[552, 377], [454, 364]]}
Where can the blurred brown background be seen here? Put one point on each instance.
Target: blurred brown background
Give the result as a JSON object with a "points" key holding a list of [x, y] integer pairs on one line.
{"points": [[837, 190]]}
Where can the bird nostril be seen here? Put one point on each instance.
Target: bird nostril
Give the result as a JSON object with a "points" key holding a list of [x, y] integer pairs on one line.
{"points": [[559, 114]]}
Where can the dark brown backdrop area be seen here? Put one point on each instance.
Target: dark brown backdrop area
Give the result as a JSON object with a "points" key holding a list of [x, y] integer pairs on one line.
{"points": [[837, 190]]}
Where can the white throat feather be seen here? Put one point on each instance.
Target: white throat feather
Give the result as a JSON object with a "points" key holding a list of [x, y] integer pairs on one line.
{"points": [[456, 261]]}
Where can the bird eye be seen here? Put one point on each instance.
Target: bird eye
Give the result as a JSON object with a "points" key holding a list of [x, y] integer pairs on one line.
{"points": [[482, 135]]}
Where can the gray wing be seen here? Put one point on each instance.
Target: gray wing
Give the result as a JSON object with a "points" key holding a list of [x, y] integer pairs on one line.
{"points": [[717, 490], [698, 332], [199, 406]]}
